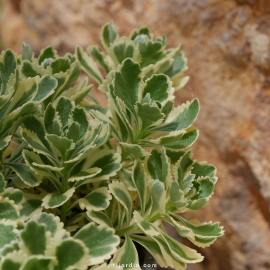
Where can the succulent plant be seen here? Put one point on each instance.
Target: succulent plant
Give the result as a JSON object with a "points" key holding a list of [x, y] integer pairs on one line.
{"points": [[79, 183]]}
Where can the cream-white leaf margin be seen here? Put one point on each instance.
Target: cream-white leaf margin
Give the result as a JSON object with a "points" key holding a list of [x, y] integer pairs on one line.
{"points": [[97, 200], [55, 200]]}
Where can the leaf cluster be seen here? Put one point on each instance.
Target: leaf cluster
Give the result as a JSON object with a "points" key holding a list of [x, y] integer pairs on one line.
{"points": [[79, 184]]}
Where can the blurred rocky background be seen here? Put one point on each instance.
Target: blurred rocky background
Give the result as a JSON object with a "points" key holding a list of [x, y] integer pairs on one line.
{"points": [[227, 43]]}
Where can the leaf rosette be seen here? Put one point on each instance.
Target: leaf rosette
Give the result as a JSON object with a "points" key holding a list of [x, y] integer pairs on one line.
{"points": [[42, 242], [66, 151], [141, 47]]}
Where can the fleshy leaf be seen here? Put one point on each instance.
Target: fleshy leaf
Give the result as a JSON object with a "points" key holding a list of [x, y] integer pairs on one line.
{"points": [[127, 255], [197, 204], [38, 262], [200, 234], [128, 84], [158, 193], [46, 53], [35, 124], [63, 144], [25, 174], [78, 92], [99, 56], [157, 166], [167, 255], [122, 195], [4, 143], [71, 252], [7, 68], [11, 118], [152, 247], [204, 170], [134, 149], [55, 200], [52, 224], [9, 210], [181, 117], [181, 252], [144, 225], [109, 34], [186, 141], [206, 189], [37, 165], [25, 92], [97, 200], [8, 234], [109, 163], [30, 206], [98, 137], [158, 87], [85, 174], [178, 65], [125, 176], [157, 68], [29, 69], [105, 119], [26, 52], [60, 64], [139, 179], [64, 108], [79, 116], [100, 218], [33, 238], [65, 79], [88, 64], [52, 121], [2, 183], [32, 140], [100, 241], [172, 137], [151, 52], [13, 194], [140, 31], [46, 88], [10, 248], [177, 196], [183, 165], [149, 115], [12, 261], [123, 48]]}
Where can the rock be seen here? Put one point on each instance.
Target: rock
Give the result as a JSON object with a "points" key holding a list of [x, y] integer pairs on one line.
{"points": [[259, 44], [227, 44]]}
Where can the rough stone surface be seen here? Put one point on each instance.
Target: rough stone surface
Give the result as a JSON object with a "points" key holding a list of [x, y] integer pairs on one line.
{"points": [[227, 44]]}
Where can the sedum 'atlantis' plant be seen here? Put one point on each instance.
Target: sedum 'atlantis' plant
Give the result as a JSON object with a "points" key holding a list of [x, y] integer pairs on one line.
{"points": [[79, 184]]}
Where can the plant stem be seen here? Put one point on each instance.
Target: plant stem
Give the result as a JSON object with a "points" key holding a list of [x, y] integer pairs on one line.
{"points": [[72, 206], [64, 207], [135, 226], [64, 212], [128, 229]]}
